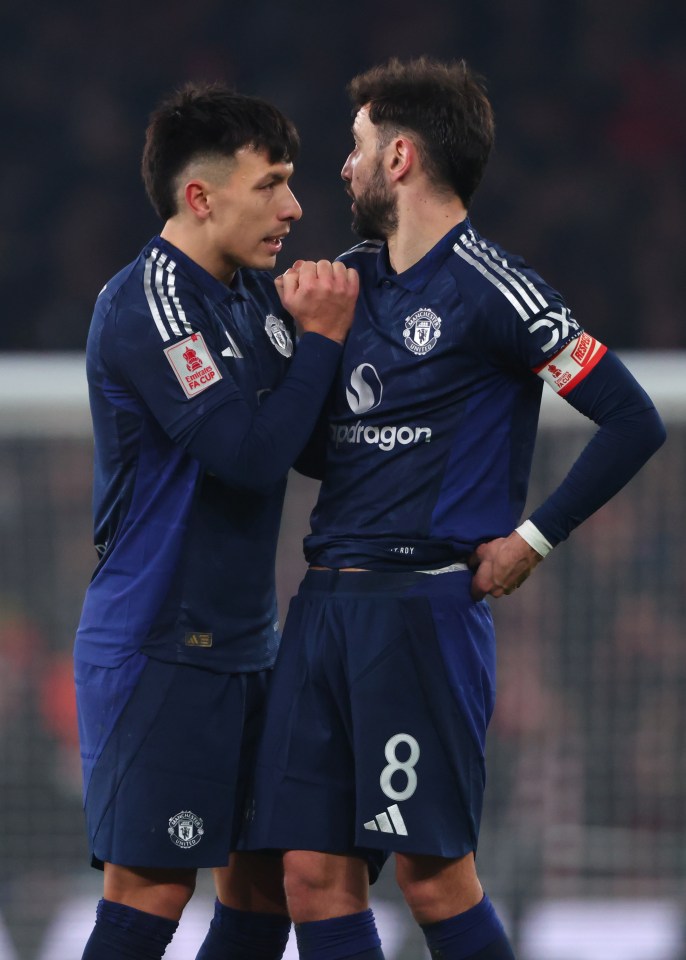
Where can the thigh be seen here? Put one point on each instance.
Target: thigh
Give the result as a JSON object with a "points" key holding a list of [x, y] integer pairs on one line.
{"points": [[165, 791], [252, 882]]}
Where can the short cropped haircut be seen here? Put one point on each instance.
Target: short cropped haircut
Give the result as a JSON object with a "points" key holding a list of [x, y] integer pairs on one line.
{"points": [[444, 104], [211, 121]]}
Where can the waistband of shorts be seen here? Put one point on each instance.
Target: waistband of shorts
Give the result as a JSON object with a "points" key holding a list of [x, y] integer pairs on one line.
{"points": [[374, 581]]}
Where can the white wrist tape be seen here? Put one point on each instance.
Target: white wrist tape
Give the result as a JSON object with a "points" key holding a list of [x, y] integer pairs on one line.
{"points": [[533, 536]]}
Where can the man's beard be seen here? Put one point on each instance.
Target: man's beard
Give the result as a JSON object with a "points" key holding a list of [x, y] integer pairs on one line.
{"points": [[376, 210]]}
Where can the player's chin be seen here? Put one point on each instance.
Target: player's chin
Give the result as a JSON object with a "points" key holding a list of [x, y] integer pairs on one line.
{"points": [[261, 260]]}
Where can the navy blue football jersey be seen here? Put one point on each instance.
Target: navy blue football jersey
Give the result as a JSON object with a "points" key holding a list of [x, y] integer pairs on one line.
{"points": [[432, 424], [186, 570]]}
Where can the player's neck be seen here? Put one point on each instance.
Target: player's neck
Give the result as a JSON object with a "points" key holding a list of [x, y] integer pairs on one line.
{"points": [[193, 244], [422, 222]]}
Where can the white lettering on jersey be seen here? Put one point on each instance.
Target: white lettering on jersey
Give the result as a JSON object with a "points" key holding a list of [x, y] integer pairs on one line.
{"points": [[365, 390], [193, 365], [384, 437], [560, 323], [572, 364]]}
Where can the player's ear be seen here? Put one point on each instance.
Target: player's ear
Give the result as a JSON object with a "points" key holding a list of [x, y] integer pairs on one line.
{"points": [[195, 195], [401, 158]]}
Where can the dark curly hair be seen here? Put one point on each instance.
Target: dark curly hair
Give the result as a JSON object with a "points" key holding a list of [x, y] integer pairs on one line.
{"points": [[208, 120], [444, 104]]}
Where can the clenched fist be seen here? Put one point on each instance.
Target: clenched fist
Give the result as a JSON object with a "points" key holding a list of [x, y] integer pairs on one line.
{"points": [[320, 296]]}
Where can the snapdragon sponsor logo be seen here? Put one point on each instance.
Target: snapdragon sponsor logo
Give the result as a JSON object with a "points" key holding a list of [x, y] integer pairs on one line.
{"points": [[386, 437], [364, 394], [365, 390]]}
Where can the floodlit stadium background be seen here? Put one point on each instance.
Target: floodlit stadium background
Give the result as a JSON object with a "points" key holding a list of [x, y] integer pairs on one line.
{"points": [[584, 836]]}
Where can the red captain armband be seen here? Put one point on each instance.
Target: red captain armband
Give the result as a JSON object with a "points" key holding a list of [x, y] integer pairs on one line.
{"points": [[572, 364]]}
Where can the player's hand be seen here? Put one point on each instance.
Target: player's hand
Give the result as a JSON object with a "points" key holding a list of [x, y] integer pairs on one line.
{"points": [[501, 566], [320, 296]]}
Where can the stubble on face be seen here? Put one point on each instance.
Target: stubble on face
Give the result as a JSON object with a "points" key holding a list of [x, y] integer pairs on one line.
{"points": [[376, 209]]}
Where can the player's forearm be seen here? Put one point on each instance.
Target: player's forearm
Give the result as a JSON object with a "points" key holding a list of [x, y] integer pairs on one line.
{"points": [[630, 432], [254, 451], [607, 463]]}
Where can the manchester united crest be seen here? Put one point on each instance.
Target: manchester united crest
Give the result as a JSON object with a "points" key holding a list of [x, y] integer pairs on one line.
{"points": [[279, 335], [422, 330], [185, 829]]}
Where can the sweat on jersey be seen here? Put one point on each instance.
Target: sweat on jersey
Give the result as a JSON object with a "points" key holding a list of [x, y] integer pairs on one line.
{"points": [[431, 426], [198, 410]]}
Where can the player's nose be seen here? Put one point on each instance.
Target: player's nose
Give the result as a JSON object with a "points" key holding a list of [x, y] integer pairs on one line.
{"points": [[293, 210], [346, 171]]}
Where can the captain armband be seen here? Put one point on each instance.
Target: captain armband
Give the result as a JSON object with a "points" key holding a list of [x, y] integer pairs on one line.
{"points": [[533, 536], [575, 361]]}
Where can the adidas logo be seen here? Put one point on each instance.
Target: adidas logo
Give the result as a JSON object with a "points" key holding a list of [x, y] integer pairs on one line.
{"points": [[386, 821], [232, 349]]}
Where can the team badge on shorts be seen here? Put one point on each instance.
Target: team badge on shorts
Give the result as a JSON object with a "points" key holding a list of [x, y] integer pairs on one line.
{"points": [[185, 829], [422, 330], [279, 335]]}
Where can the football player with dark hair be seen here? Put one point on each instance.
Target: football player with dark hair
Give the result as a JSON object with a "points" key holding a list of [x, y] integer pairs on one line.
{"points": [[385, 681], [200, 405]]}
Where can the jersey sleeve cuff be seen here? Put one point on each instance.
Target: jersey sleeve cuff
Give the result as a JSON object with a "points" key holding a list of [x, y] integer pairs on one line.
{"points": [[533, 536], [321, 347]]}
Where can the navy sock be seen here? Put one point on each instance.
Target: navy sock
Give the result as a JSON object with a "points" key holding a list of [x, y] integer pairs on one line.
{"points": [[340, 938], [124, 932], [239, 935], [476, 934]]}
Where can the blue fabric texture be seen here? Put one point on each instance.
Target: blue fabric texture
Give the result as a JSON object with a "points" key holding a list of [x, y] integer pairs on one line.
{"points": [[124, 932], [340, 938], [240, 935], [476, 934]]}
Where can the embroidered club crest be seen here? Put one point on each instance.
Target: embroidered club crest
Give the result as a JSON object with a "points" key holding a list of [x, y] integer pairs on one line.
{"points": [[422, 330], [279, 335], [185, 829]]}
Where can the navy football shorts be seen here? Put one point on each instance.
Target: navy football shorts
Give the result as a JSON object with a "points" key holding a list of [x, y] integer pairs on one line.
{"points": [[376, 720], [167, 752]]}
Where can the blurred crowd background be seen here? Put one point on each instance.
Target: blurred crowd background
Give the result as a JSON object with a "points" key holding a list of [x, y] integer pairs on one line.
{"points": [[587, 762], [587, 180]]}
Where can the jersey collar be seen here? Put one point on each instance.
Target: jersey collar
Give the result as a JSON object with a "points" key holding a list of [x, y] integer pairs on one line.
{"points": [[419, 274], [214, 288]]}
